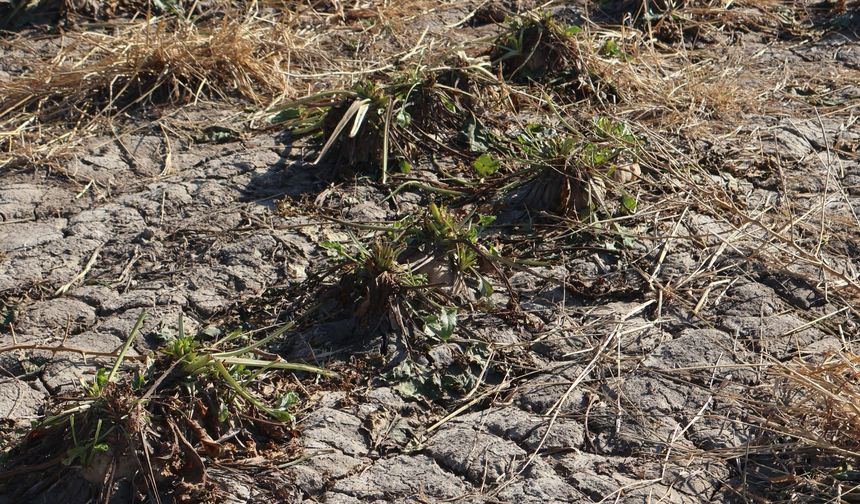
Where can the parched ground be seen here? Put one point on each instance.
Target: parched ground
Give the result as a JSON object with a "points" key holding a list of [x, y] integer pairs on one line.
{"points": [[664, 356]]}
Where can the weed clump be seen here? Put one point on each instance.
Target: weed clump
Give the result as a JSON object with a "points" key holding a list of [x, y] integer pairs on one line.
{"points": [[541, 49], [571, 176], [376, 286], [153, 431], [379, 123], [418, 269], [367, 115], [446, 249]]}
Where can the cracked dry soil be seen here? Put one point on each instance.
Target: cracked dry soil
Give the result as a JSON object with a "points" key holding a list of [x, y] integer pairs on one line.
{"points": [[633, 395]]}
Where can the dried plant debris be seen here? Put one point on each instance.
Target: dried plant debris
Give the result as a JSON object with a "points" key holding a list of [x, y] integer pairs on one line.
{"points": [[19, 13], [808, 446], [163, 59], [705, 21], [139, 66]]}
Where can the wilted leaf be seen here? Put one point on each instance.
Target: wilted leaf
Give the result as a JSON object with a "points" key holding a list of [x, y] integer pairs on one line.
{"points": [[486, 220], [572, 30], [447, 102], [333, 246], [847, 475], [165, 334], [168, 6], [211, 332], [408, 388], [286, 401], [403, 118], [442, 326], [484, 287], [476, 135], [7, 315], [610, 48], [286, 115], [626, 172]]}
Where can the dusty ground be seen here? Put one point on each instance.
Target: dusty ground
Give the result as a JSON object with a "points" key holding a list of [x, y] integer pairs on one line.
{"points": [[631, 371]]}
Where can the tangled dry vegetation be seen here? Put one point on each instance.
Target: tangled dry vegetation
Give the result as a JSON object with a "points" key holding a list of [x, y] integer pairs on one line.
{"points": [[557, 135]]}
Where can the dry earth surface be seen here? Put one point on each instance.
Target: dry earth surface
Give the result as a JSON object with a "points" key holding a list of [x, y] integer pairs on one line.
{"points": [[654, 355]]}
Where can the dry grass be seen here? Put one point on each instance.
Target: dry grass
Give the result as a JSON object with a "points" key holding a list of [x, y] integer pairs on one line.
{"points": [[810, 442], [98, 75], [257, 54], [822, 402], [671, 92]]}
